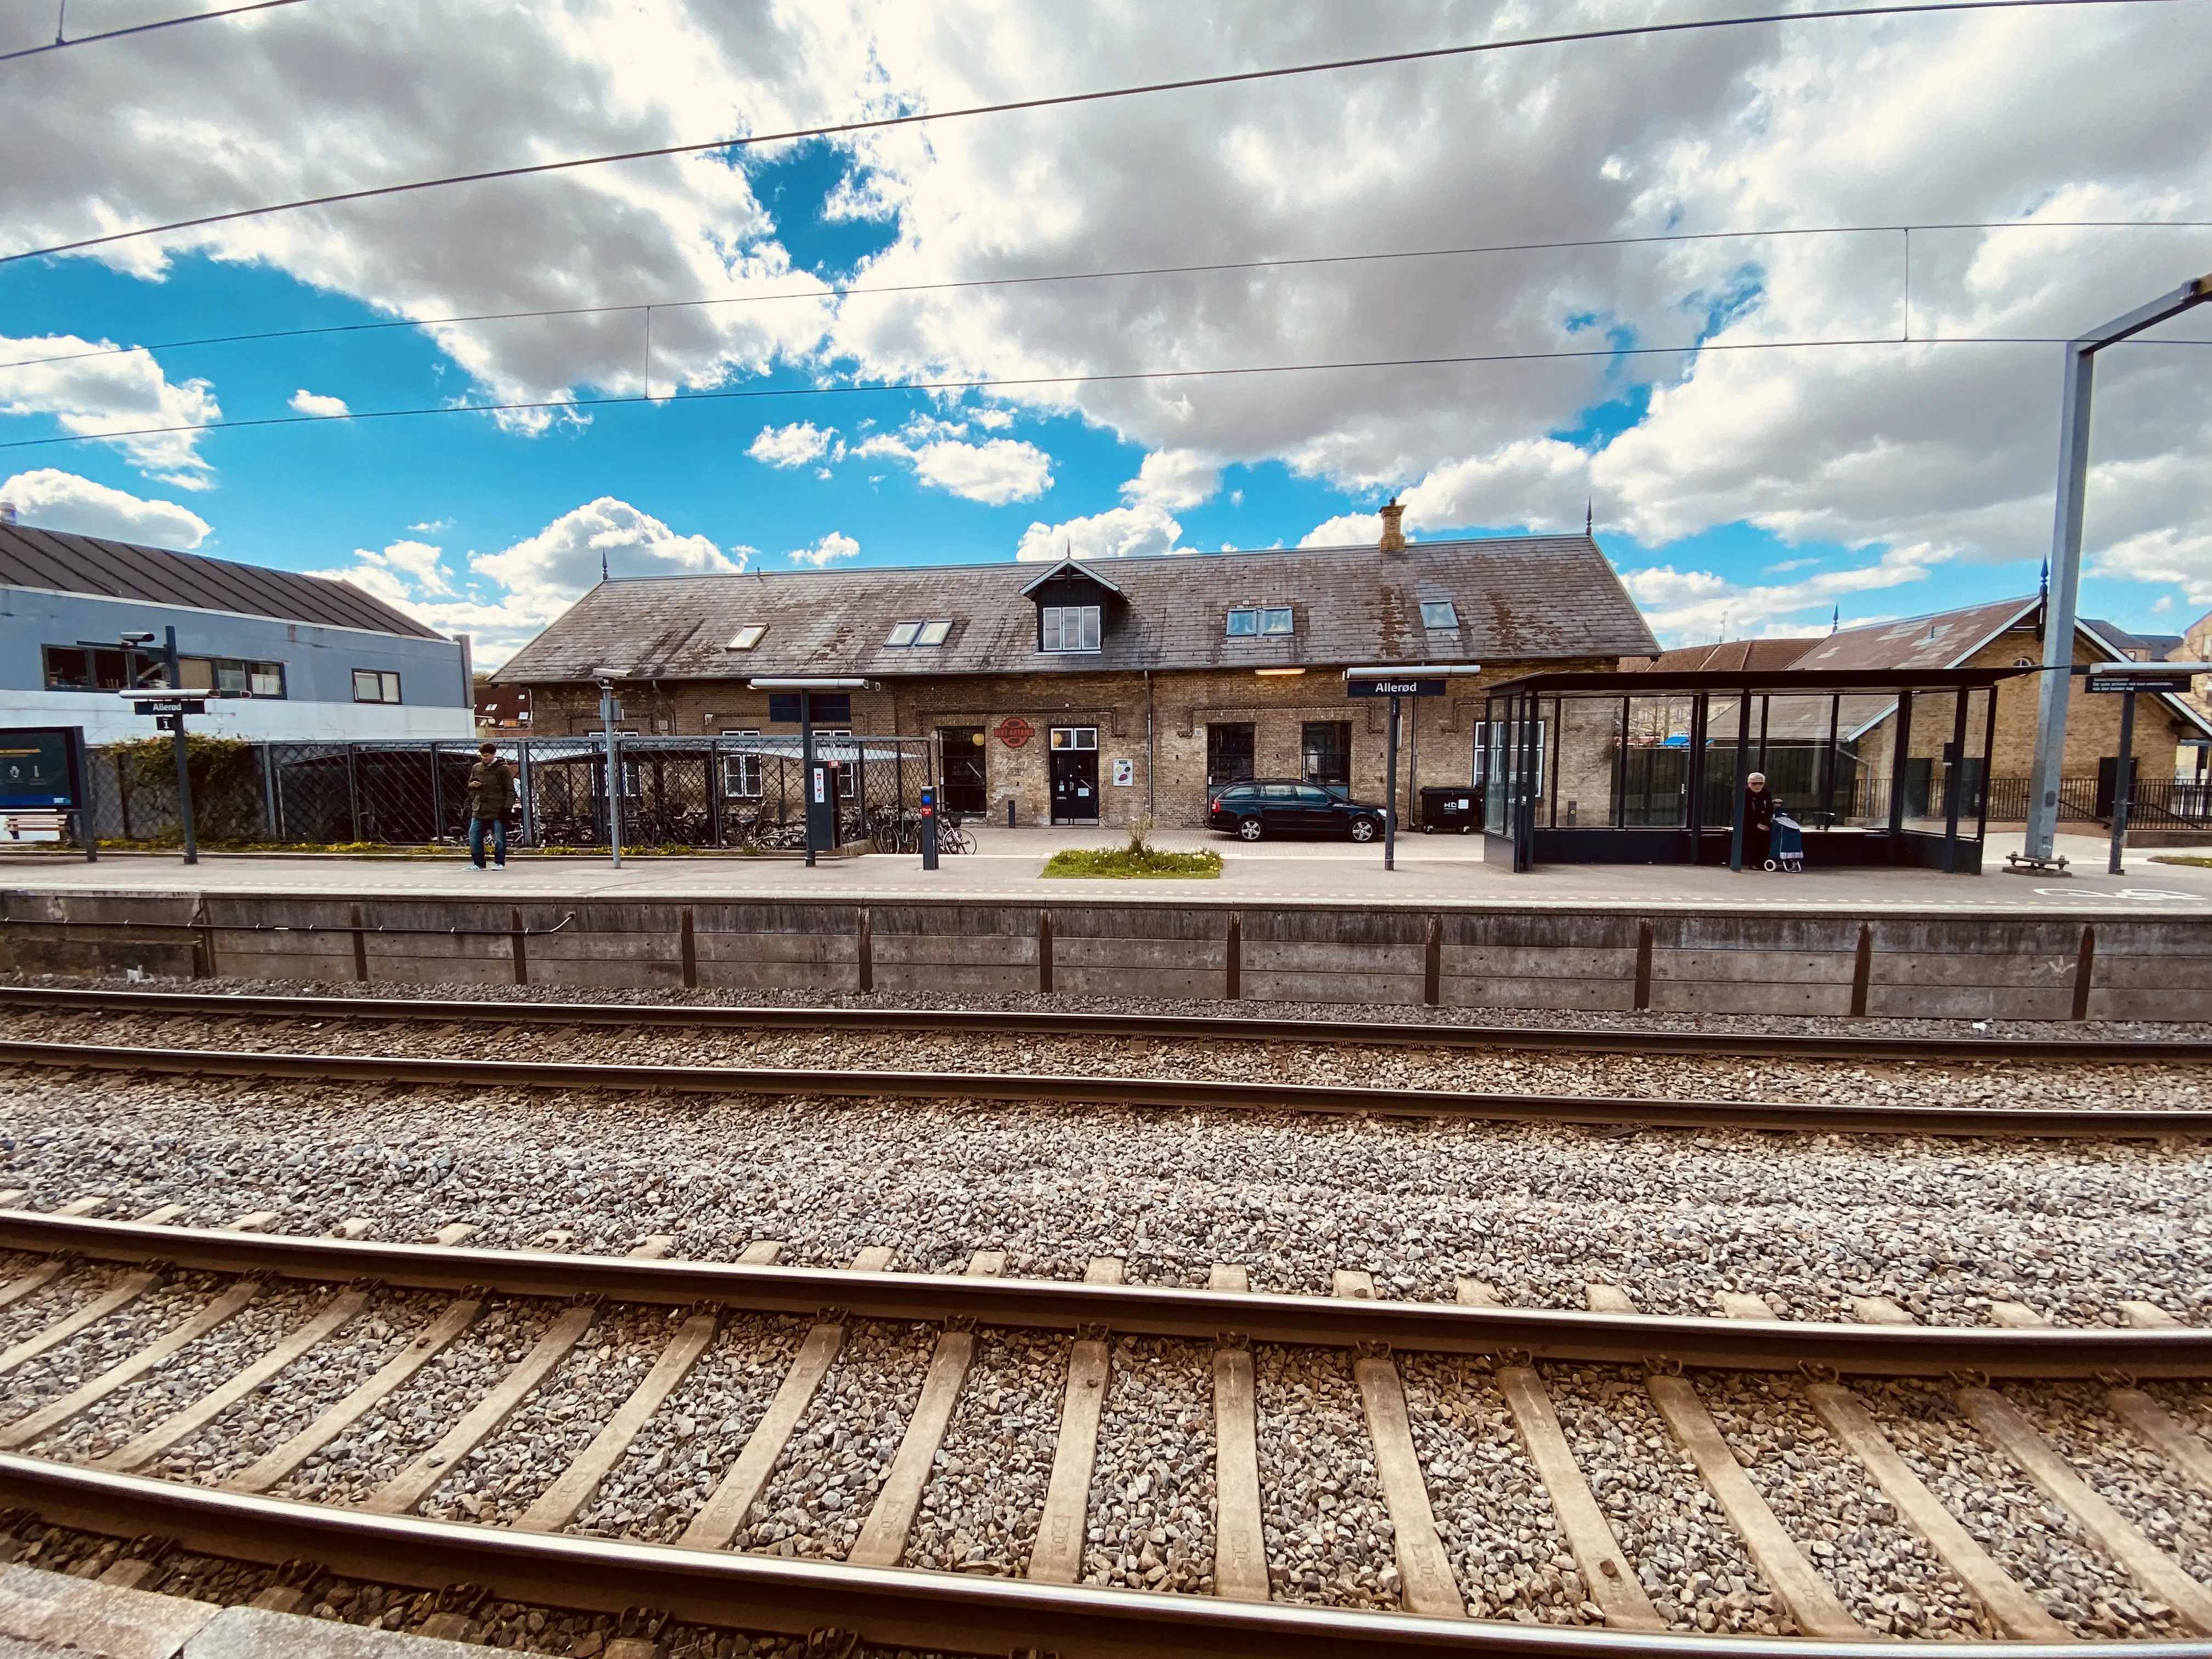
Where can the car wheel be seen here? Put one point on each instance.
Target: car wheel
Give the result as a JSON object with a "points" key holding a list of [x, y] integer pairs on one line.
{"points": [[1365, 829], [1251, 828]]}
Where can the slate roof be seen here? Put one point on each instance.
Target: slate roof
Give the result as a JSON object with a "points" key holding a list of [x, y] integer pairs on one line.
{"points": [[1737, 656], [1519, 599], [1944, 640], [60, 561]]}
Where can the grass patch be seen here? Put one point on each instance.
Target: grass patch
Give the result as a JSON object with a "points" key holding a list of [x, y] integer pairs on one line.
{"points": [[2201, 864], [1133, 863]]}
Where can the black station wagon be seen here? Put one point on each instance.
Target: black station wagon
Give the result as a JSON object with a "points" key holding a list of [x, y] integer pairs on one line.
{"points": [[1269, 806]]}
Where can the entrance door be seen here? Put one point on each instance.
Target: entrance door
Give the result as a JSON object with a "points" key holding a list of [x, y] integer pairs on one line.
{"points": [[1074, 775], [966, 787]]}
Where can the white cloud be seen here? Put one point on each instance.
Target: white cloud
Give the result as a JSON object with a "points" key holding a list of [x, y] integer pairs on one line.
{"points": [[110, 391], [433, 526], [54, 500], [1688, 607], [544, 573], [1174, 479], [994, 472], [318, 404], [792, 445], [1120, 532], [1345, 530], [830, 548]]}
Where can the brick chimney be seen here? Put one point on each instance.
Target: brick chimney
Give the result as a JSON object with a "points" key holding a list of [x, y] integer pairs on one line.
{"points": [[1393, 540]]}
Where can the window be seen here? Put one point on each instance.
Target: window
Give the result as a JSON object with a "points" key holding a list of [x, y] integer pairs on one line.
{"points": [[373, 685], [1326, 749], [741, 774], [228, 676], [1075, 736], [1068, 628], [1439, 613], [921, 633], [746, 637], [89, 668], [1229, 748], [1259, 620]]}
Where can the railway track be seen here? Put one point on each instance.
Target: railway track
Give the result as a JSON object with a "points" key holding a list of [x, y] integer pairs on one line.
{"points": [[79, 1279], [1355, 1029], [2163, 1123]]}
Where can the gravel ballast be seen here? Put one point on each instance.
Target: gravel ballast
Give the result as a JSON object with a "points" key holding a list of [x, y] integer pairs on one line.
{"points": [[1944, 1227], [1151, 1505], [2030, 1537]]}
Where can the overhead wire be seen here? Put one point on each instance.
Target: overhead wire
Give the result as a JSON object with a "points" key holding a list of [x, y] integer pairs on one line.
{"points": [[59, 45], [1062, 100], [849, 290], [564, 405]]}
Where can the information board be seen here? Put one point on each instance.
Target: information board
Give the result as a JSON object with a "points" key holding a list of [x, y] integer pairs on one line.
{"points": [[38, 768], [2139, 680]]}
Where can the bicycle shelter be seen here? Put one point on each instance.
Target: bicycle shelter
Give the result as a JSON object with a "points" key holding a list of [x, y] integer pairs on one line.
{"points": [[1880, 767]]}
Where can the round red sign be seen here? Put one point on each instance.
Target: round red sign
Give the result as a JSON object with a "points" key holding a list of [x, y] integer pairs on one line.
{"points": [[1014, 731]]}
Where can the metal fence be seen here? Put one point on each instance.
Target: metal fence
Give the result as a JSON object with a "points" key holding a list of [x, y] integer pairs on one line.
{"points": [[701, 792]]}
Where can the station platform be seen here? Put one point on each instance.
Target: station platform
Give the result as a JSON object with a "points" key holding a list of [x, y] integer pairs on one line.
{"points": [[1433, 872]]}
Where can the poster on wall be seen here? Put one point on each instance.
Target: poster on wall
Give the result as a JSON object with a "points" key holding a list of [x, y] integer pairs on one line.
{"points": [[1124, 773]]}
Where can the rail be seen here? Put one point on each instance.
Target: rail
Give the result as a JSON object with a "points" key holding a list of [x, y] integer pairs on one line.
{"points": [[1131, 1027], [1642, 1112], [947, 1611]]}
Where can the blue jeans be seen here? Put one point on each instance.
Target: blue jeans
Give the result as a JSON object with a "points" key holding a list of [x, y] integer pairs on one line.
{"points": [[498, 828]]}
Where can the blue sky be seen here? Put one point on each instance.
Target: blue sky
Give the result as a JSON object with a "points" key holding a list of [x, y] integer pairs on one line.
{"points": [[1739, 494]]}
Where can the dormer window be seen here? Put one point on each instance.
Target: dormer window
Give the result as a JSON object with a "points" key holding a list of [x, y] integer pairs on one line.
{"points": [[1259, 622], [1068, 628], [1439, 613], [746, 637]]}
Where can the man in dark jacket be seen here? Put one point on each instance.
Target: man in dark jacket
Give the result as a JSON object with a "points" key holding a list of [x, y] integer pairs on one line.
{"points": [[491, 798], [1760, 807]]}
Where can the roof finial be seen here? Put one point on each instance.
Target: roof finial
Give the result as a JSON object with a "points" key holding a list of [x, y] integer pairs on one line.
{"points": [[2043, 582], [603, 566], [1836, 619], [1590, 514]]}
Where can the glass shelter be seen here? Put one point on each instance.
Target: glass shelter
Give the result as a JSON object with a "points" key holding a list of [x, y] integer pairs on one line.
{"points": [[1877, 767]]}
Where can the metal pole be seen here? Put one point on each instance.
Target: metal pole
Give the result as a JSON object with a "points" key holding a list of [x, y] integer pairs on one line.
{"points": [[184, 758], [1989, 747], [2075, 398], [2123, 784], [1953, 780], [1742, 753], [528, 784], [81, 784], [806, 770], [1828, 777], [614, 772], [1390, 792]]}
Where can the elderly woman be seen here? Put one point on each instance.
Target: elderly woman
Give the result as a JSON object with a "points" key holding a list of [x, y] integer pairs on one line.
{"points": [[1760, 807]]}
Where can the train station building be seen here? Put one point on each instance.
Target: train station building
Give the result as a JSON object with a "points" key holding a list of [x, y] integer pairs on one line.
{"points": [[1104, 691]]}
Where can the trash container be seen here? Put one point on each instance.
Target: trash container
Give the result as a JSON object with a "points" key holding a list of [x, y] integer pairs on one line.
{"points": [[1451, 810]]}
